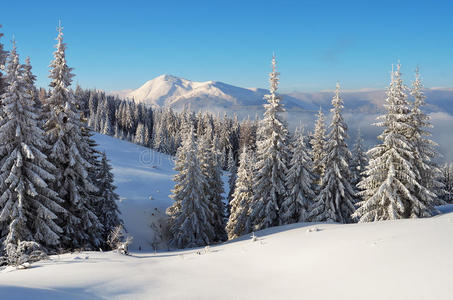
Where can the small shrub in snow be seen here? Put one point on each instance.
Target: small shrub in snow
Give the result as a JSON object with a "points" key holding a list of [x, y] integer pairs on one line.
{"points": [[24, 254], [118, 242]]}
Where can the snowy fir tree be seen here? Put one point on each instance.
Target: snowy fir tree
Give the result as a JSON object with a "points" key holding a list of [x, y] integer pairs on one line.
{"points": [[29, 207], [300, 183], [107, 208], [82, 228], [232, 169], [239, 222], [359, 160], [391, 185], [425, 151], [271, 160], [446, 179], [335, 201], [208, 154], [318, 144], [190, 214], [3, 55]]}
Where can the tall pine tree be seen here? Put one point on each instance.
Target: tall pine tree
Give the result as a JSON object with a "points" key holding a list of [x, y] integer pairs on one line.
{"points": [[300, 183], [318, 144], [239, 221], [391, 182], [335, 201], [190, 214], [271, 160], [68, 153], [28, 205]]}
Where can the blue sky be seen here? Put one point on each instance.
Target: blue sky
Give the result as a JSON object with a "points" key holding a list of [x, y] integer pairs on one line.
{"points": [[121, 44]]}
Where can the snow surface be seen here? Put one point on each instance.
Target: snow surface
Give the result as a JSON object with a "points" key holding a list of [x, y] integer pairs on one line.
{"points": [[144, 179], [404, 259]]}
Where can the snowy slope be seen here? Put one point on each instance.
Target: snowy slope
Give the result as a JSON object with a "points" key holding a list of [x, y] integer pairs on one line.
{"points": [[405, 259], [144, 181]]}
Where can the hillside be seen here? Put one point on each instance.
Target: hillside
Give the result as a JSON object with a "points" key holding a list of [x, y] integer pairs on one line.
{"points": [[404, 259]]}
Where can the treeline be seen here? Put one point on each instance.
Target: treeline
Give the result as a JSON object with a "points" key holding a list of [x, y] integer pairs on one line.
{"points": [[56, 189]]}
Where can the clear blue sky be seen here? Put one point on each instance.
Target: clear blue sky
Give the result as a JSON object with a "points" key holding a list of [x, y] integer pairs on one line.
{"points": [[121, 44]]}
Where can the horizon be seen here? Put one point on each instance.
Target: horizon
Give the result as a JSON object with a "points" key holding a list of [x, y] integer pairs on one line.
{"points": [[119, 47]]}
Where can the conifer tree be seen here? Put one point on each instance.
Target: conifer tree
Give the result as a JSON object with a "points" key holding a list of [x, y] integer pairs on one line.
{"points": [[425, 152], [335, 201], [359, 160], [210, 167], [190, 214], [447, 182], [391, 177], [318, 144], [3, 55], [68, 153], [271, 160], [107, 209], [239, 222], [232, 169], [300, 184], [28, 205]]}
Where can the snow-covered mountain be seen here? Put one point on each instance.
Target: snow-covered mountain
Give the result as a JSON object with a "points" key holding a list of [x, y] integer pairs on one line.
{"points": [[175, 92], [215, 96]]}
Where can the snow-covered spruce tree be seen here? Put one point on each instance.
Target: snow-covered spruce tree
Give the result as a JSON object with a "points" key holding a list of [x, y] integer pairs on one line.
{"points": [[190, 214], [271, 160], [359, 160], [3, 55], [239, 222], [208, 154], [391, 177], [300, 184], [335, 200], [30, 79], [28, 206], [318, 143], [107, 208], [140, 134], [68, 153], [425, 152], [233, 169], [447, 182]]}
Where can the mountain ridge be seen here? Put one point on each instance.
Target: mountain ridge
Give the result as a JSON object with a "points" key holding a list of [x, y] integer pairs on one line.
{"points": [[214, 96]]}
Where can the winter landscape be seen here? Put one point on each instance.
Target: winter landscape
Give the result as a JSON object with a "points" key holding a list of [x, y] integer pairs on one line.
{"points": [[322, 182]]}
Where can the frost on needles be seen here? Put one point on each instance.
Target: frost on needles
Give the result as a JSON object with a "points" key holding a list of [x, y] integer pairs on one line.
{"points": [[392, 187]]}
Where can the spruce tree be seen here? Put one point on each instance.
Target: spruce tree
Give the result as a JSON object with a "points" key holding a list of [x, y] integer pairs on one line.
{"points": [[318, 144], [359, 160], [68, 153], [3, 55], [232, 169], [107, 208], [28, 205], [239, 222], [190, 214], [391, 177], [271, 160], [335, 201], [425, 151], [209, 164], [300, 184]]}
